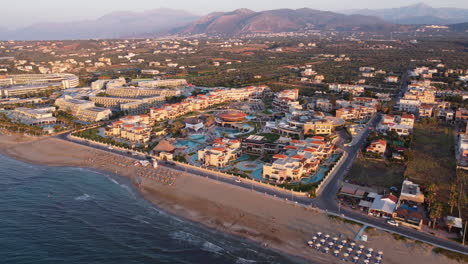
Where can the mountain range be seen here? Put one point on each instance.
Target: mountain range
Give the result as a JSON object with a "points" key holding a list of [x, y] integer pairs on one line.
{"points": [[113, 25], [417, 14], [245, 21], [241, 21]]}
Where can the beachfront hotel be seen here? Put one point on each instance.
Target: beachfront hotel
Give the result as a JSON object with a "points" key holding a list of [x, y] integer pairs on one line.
{"points": [[83, 110], [135, 129], [34, 116], [220, 152], [298, 159], [138, 92]]}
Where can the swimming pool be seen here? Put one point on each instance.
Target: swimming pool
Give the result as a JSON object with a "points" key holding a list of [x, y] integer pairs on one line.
{"points": [[250, 117], [318, 176]]}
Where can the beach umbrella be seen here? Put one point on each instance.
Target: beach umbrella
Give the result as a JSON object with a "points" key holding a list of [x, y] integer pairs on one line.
{"points": [[314, 238], [327, 236], [330, 244], [318, 245], [359, 252], [361, 246], [325, 250], [322, 241], [310, 243], [355, 259], [378, 259], [352, 244], [366, 261], [336, 252], [340, 247], [380, 253], [345, 255], [335, 239], [319, 233], [371, 250], [349, 249], [368, 255]]}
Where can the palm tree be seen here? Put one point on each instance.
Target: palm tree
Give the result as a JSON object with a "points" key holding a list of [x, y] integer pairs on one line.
{"points": [[453, 199], [432, 193], [436, 212]]}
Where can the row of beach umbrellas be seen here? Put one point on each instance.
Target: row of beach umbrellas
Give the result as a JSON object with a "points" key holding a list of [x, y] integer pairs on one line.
{"points": [[351, 252]]}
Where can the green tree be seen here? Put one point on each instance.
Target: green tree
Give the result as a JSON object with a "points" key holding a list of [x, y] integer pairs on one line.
{"points": [[453, 199]]}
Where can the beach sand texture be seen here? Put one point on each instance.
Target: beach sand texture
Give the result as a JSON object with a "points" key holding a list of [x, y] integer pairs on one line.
{"points": [[280, 225]]}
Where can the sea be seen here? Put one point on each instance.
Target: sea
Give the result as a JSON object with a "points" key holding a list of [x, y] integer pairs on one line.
{"points": [[71, 215]]}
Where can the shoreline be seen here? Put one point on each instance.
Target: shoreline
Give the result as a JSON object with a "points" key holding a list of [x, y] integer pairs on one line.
{"points": [[227, 209]]}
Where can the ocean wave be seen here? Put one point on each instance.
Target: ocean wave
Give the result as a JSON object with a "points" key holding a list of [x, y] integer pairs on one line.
{"points": [[141, 219], [84, 197], [244, 261], [210, 247], [186, 237]]}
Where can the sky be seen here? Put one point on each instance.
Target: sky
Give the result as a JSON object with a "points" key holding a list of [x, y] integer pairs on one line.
{"points": [[21, 13]]}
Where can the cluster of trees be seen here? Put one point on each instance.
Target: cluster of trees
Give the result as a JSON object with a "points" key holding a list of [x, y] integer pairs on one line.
{"points": [[18, 127], [93, 134]]}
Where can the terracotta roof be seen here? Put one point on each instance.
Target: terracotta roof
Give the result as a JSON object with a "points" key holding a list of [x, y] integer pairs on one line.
{"points": [[391, 197], [407, 116], [219, 149], [310, 149], [280, 156], [298, 157], [290, 147], [164, 146]]}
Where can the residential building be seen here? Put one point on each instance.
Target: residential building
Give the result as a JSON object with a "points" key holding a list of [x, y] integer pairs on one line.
{"points": [[383, 205], [377, 146]]}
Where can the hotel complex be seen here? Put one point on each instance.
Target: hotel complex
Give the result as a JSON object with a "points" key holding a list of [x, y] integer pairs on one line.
{"points": [[23, 84], [83, 110]]}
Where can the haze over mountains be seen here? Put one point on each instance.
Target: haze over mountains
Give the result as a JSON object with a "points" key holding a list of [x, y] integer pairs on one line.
{"points": [[245, 21], [417, 14], [241, 21], [113, 25]]}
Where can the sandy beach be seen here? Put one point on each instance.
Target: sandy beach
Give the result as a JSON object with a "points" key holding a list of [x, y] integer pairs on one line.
{"points": [[277, 224]]}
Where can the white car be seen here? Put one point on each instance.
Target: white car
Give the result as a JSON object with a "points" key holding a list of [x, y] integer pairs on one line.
{"points": [[110, 148], [238, 181], [391, 222]]}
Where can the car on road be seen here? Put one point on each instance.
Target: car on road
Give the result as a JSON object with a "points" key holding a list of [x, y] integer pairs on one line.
{"points": [[238, 180], [111, 148], [392, 222]]}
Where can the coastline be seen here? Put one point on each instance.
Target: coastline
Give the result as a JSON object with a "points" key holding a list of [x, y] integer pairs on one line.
{"points": [[226, 208]]}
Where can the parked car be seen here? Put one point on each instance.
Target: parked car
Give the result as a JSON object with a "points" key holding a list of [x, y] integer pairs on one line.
{"points": [[392, 222], [238, 180]]}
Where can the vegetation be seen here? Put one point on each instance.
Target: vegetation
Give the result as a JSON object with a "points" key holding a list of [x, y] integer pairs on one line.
{"points": [[462, 258], [93, 134]]}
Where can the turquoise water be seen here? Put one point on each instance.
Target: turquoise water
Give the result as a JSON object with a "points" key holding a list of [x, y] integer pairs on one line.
{"points": [[322, 171], [257, 174], [75, 216], [249, 117]]}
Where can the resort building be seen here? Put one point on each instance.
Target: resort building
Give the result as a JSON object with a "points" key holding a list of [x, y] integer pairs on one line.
{"points": [[83, 110], [286, 101], [302, 123], [128, 105], [171, 83], [355, 113], [135, 129], [34, 116], [136, 92], [259, 145], [298, 159], [200, 102], [220, 152]]}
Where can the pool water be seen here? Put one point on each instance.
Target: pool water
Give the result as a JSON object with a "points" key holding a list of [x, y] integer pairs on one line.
{"points": [[249, 117], [318, 176]]}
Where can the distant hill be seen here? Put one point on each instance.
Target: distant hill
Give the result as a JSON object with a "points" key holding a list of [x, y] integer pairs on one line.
{"points": [[417, 14], [113, 25], [461, 27], [243, 21]]}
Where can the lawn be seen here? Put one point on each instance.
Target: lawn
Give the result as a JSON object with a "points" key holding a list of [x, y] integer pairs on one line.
{"points": [[433, 159], [376, 173]]}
